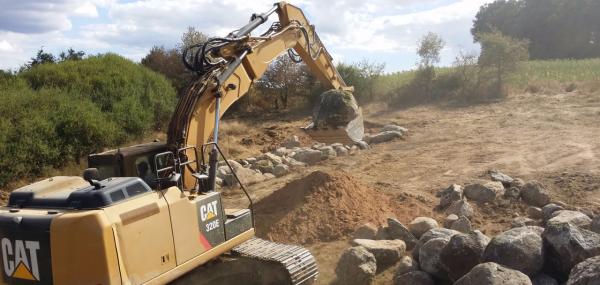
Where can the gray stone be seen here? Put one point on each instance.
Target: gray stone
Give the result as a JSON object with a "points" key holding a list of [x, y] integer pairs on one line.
{"points": [[535, 194], [501, 177], [437, 233], [394, 128], [292, 142], [251, 160], [517, 182], [513, 193], [327, 152], [421, 225], [397, 230], [523, 222], [484, 193], [535, 213], [308, 156], [568, 245], [383, 137], [282, 151], [543, 279], [247, 177], [281, 170], [549, 209], [406, 264], [490, 273], [450, 195], [414, 278], [264, 165], [357, 266], [268, 176], [386, 252], [366, 231], [292, 163], [362, 145], [586, 272], [595, 227], [572, 217], [519, 248], [462, 253], [341, 150], [429, 257], [275, 159], [449, 220], [462, 225], [460, 208]]}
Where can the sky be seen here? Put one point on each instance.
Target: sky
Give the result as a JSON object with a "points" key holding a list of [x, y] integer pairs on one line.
{"points": [[381, 31]]}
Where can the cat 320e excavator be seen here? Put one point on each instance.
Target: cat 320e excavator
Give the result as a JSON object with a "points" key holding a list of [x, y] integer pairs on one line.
{"points": [[149, 214]]}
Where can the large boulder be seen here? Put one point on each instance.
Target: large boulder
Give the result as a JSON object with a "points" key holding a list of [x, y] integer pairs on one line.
{"points": [[501, 177], [429, 257], [281, 170], [308, 156], [356, 266], [572, 217], [535, 213], [549, 209], [406, 264], [586, 272], [383, 137], [327, 152], [462, 253], [490, 273], [463, 225], [247, 177], [366, 231], [450, 195], [461, 208], [437, 233], [396, 230], [484, 193], [523, 222], [386, 252], [421, 225], [568, 245], [519, 248], [535, 194], [394, 128], [414, 278]]}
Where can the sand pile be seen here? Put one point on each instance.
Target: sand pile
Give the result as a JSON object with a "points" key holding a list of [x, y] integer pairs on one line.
{"points": [[320, 207]]}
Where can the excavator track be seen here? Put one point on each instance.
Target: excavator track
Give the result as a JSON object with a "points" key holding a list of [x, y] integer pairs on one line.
{"points": [[298, 261]]}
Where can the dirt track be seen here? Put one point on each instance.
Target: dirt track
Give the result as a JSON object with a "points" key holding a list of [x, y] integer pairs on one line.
{"points": [[551, 138]]}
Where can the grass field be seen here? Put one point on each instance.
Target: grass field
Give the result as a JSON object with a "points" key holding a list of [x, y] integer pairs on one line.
{"points": [[558, 71]]}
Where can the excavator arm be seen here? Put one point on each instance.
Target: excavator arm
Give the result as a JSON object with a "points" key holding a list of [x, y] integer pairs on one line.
{"points": [[227, 68]]}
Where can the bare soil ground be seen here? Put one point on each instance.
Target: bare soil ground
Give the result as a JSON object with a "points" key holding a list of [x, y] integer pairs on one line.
{"points": [[554, 139]]}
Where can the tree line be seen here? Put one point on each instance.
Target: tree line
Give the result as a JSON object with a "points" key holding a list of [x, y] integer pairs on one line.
{"points": [[555, 28]]}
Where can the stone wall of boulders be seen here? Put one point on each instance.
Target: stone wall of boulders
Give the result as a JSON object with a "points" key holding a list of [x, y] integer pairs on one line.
{"points": [[291, 156], [556, 244]]}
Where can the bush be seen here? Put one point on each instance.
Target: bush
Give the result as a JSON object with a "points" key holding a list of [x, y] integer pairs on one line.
{"points": [[53, 114]]}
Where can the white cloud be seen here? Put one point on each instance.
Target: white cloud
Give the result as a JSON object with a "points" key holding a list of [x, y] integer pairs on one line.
{"points": [[379, 29]]}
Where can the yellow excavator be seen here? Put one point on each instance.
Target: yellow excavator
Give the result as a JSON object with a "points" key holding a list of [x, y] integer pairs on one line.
{"points": [[149, 214]]}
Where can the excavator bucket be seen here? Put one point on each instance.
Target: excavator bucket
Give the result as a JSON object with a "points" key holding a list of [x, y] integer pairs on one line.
{"points": [[336, 119]]}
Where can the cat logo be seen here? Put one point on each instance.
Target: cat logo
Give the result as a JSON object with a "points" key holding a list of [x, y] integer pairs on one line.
{"points": [[208, 211], [20, 259]]}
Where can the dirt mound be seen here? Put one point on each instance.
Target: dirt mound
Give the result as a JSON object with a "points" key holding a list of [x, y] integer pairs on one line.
{"points": [[320, 207]]}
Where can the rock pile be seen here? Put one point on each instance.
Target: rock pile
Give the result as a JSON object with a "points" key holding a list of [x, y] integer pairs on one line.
{"points": [[291, 156], [555, 245]]}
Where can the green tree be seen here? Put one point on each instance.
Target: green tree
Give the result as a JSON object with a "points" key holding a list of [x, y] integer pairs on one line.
{"points": [[501, 55], [41, 57], [71, 54], [555, 28], [429, 48], [363, 76]]}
